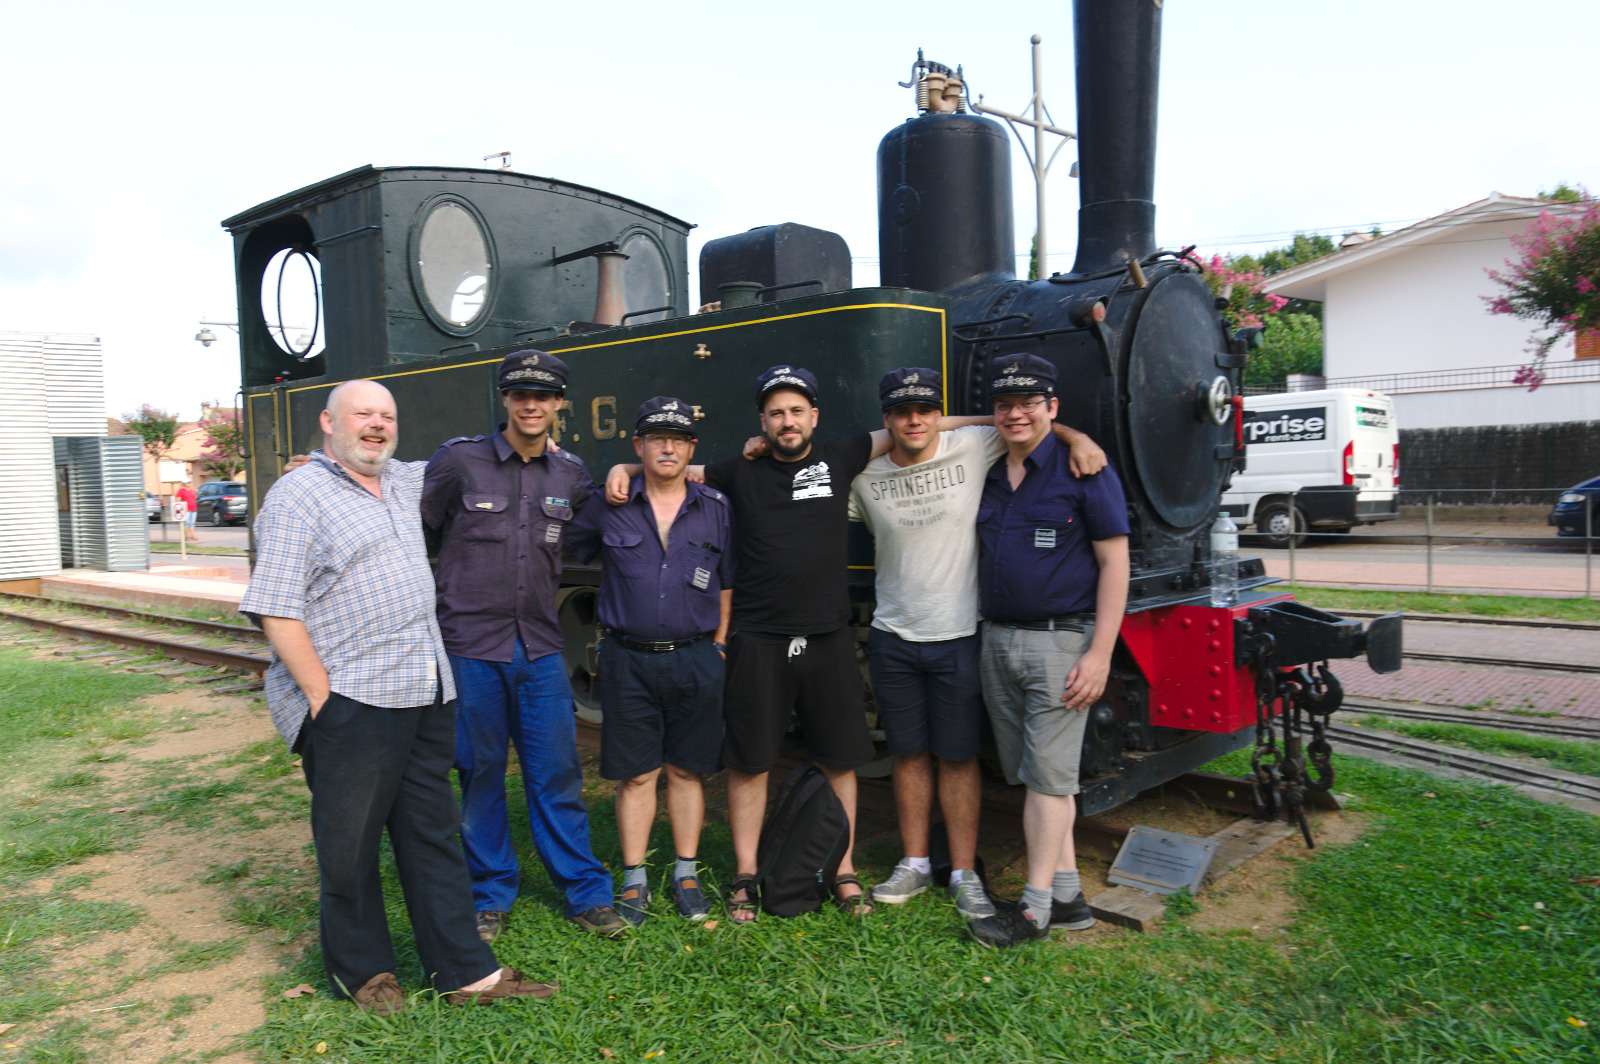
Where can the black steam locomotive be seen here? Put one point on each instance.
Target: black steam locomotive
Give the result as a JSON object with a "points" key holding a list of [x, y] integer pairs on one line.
{"points": [[427, 276]]}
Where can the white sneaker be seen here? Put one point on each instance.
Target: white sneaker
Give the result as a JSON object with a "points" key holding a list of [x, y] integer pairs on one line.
{"points": [[903, 884]]}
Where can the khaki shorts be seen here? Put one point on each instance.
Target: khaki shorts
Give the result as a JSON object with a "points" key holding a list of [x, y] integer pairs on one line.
{"points": [[1039, 740]]}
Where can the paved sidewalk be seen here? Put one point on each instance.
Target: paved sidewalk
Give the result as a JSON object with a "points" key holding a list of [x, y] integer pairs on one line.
{"points": [[206, 586]]}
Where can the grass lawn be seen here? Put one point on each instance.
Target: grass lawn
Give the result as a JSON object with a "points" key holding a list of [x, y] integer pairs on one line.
{"points": [[1556, 609], [1461, 926], [159, 547]]}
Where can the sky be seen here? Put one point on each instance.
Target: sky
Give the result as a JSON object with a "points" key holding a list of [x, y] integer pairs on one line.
{"points": [[132, 130]]}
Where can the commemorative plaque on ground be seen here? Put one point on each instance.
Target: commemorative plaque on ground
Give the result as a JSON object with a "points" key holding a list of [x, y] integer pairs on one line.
{"points": [[1162, 862]]}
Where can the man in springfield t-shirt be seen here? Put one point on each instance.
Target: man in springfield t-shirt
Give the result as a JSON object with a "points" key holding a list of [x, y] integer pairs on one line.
{"points": [[791, 645]]}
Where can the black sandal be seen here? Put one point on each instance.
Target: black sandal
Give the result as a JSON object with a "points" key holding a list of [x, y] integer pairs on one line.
{"points": [[743, 910], [852, 904]]}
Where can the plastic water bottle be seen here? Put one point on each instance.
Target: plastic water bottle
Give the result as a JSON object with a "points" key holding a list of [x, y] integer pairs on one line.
{"points": [[1224, 561]]}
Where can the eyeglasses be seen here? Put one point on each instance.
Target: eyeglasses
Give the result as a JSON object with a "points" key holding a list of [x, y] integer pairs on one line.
{"points": [[1027, 406]]}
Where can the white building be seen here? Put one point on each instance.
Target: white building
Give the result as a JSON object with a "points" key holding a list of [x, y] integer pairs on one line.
{"points": [[1404, 313]]}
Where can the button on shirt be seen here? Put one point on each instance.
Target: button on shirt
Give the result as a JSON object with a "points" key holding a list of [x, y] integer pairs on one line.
{"points": [[649, 594], [499, 525], [354, 569], [1035, 544]]}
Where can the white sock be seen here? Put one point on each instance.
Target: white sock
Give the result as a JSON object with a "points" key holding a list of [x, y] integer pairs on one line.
{"points": [[957, 875], [918, 864]]}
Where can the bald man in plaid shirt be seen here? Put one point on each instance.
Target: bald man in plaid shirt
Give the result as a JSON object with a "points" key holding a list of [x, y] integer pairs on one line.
{"points": [[360, 687]]}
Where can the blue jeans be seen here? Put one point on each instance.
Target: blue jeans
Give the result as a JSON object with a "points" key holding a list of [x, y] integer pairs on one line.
{"points": [[528, 703]]}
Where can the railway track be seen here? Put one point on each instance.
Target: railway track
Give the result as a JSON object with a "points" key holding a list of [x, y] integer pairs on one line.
{"points": [[75, 621], [1504, 663], [1567, 788], [1456, 618], [1569, 728]]}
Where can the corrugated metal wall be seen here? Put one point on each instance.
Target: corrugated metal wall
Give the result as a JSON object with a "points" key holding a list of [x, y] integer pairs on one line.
{"points": [[105, 525], [75, 382], [29, 544]]}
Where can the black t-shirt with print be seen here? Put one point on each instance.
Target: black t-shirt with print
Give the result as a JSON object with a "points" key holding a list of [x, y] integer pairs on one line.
{"points": [[790, 532]]}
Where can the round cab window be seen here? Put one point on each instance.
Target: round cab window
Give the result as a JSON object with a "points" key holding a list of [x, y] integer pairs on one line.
{"points": [[453, 263], [646, 281]]}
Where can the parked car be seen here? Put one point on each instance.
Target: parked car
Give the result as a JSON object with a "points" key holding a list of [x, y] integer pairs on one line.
{"points": [[223, 502], [1578, 510], [152, 507]]}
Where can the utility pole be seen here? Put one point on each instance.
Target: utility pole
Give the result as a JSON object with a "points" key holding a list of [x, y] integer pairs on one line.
{"points": [[1037, 117]]}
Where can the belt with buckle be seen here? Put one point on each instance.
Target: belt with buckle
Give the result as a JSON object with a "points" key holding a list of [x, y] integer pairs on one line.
{"points": [[657, 646], [1072, 622]]}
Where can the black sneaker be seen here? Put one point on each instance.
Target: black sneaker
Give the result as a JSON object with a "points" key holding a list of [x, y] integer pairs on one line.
{"points": [[633, 903], [1073, 915], [1006, 928], [601, 920], [491, 924], [692, 904]]}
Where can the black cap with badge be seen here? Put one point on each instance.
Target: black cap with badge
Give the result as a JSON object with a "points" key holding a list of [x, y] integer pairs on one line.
{"points": [[910, 384], [785, 375], [532, 371], [1023, 374], [663, 413]]}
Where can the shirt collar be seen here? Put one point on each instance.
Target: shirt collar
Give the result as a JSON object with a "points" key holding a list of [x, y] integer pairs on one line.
{"points": [[636, 490], [331, 464], [1038, 458]]}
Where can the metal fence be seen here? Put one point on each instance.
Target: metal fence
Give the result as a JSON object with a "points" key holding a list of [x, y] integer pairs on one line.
{"points": [[1434, 546], [1444, 380]]}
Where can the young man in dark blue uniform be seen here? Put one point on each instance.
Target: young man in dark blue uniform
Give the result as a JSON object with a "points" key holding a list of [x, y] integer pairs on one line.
{"points": [[497, 510], [1052, 586], [665, 599]]}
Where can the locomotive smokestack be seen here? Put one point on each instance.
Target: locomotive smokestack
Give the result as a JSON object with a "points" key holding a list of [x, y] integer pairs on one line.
{"points": [[1118, 48]]}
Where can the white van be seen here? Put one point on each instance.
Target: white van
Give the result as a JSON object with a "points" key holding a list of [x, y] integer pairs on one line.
{"points": [[1321, 461]]}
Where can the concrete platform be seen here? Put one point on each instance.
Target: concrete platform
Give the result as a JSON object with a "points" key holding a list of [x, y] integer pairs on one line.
{"points": [[203, 586]]}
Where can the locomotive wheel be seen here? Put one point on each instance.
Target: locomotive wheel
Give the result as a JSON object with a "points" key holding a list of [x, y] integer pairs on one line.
{"points": [[580, 643], [1279, 521]]}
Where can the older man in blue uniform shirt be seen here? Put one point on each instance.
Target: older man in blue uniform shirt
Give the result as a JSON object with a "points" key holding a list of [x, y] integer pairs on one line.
{"points": [[1052, 586], [497, 509], [665, 600]]}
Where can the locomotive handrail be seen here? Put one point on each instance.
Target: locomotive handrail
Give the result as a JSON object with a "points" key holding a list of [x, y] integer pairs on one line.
{"points": [[770, 289], [960, 328], [470, 346], [638, 313]]}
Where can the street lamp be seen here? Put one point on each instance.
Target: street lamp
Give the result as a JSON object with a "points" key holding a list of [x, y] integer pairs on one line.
{"points": [[205, 337]]}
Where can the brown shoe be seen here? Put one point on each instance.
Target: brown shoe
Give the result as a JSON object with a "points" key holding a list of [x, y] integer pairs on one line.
{"points": [[512, 984], [381, 995]]}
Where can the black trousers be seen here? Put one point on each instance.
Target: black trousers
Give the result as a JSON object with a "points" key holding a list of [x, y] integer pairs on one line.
{"points": [[369, 769]]}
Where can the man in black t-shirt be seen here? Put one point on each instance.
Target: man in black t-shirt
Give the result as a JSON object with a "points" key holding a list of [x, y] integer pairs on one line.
{"points": [[792, 647]]}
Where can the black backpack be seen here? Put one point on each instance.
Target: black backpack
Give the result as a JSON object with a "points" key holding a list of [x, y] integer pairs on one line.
{"points": [[801, 846]]}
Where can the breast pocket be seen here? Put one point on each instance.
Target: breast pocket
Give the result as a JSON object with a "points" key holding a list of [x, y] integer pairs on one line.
{"points": [[556, 516], [484, 517], [701, 571], [1048, 528], [623, 554]]}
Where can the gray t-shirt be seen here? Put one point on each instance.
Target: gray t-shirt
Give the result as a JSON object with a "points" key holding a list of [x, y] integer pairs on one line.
{"points": [[924, 520]]}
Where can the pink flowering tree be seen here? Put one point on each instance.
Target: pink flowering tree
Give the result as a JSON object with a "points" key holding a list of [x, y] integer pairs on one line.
{"points": [[1554, 282], [224, 447], [1239, 285]]}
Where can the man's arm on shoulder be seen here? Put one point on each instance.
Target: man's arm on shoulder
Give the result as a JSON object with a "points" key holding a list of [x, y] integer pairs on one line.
{"points": [[1084, 456]]}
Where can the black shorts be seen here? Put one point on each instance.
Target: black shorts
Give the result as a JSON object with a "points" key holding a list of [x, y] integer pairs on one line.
{"points": [[815, 677], [928, 694], [660, 708]]}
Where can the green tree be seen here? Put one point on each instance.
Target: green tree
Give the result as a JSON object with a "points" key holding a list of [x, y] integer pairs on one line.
{"points": [[157, 428], [1033, 258], [1292, 343], [224, 447], [1563, 193], [1301, 250]]}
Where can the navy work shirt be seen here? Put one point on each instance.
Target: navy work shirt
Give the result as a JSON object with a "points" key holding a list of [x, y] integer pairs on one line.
{"points": [[1035, 551], [648, 594], [498, 525]]}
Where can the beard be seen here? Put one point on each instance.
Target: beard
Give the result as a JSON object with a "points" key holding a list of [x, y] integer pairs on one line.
{"points": [[788, 451], [347, 451]]}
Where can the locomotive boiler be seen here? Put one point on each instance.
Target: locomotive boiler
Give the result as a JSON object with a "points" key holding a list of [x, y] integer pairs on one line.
{"points": [[425, 277]]}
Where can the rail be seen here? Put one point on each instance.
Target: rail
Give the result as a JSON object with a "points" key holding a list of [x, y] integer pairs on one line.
{"points": [[1464, 378]]}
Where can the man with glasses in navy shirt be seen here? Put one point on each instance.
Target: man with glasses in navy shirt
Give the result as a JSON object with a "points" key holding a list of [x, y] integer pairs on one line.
{"points": [[1052, 586]]}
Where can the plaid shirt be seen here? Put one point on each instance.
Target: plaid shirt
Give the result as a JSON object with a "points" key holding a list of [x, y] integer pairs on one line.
{"points": [[354, 568]]}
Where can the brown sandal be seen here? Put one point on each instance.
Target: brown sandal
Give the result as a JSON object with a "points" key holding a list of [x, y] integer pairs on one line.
{"points": [[858, 904]]}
